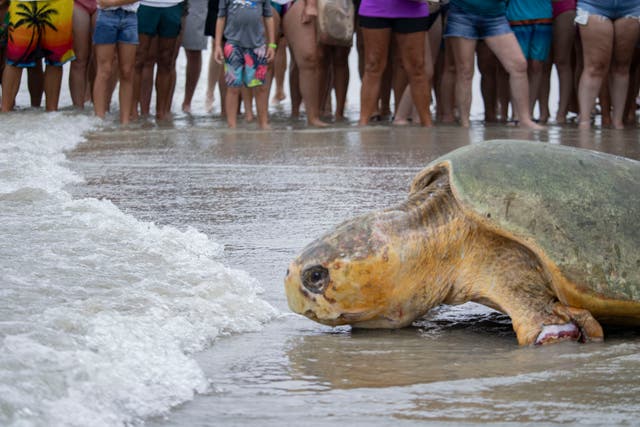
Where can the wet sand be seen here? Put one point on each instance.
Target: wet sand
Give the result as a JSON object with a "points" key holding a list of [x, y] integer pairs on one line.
{"points": [[265, 195]]}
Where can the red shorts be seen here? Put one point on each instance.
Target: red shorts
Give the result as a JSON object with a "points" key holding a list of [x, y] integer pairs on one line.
{"points": [[26, 46]]}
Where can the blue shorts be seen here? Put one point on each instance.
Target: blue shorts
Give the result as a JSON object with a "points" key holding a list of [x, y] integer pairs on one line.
{"points": [[535, 40], [611, 9], [116, 26], [472, 26], [244, 66], [161, 21]]}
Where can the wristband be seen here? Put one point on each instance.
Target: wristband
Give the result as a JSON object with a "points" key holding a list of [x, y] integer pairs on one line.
{"points": [[273, 45]]}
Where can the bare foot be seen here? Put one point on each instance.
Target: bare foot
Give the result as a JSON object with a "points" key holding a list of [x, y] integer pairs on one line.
{"points": [[448, 119], [208, 103], [186, 108], [318, 123], [530, 124], [249, 117], [265, 126], [584, 124], [163, 117], [617, 125], [278, 97], [400, 122]]}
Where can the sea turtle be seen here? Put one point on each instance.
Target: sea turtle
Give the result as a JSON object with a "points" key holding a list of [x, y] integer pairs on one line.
{"points": [[547, 234]]}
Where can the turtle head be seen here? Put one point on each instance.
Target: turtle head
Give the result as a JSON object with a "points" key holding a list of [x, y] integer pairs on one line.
{"points": [[355, 275]]}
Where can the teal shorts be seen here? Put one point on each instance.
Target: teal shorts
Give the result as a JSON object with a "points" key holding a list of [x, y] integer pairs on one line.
{"points": [[535, 40], [160, 21]]}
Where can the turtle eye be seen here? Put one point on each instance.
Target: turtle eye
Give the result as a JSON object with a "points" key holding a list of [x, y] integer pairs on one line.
{"points": [[315, 278]]}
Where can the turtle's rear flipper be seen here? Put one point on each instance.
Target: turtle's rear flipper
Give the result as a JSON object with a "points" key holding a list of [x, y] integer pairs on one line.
{"points": [[580, 326]]}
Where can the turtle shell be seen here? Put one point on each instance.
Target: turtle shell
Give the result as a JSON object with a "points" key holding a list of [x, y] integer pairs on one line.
{"points": [[578, 210]]}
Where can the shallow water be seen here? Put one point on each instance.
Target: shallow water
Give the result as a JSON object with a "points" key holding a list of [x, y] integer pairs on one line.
{"points": [[265, 195], [142, 283]]}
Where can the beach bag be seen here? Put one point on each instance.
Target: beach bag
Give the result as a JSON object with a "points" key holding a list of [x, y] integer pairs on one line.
{"points": [[335, 22]]}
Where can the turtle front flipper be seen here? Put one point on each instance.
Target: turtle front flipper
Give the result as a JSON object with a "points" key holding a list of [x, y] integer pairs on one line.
{"points": [[510, 278], [578, 324]]}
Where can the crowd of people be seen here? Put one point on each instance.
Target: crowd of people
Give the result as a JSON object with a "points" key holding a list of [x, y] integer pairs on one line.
{"points": [[424, 53]]}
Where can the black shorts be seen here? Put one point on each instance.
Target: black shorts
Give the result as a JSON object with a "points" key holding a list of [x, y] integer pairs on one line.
{"points": [[398, 25], [212, 17]]}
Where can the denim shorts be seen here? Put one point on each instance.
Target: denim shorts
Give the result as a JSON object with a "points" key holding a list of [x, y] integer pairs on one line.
{"points": [[472, 26], [162, 21], [610, 9], [116, 26]]}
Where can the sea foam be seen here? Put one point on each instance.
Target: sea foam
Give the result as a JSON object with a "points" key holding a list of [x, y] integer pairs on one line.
{"points": [[101, 313]]}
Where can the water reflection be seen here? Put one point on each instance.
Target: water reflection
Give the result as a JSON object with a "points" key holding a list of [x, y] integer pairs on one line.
{"points": [[436, 349]]}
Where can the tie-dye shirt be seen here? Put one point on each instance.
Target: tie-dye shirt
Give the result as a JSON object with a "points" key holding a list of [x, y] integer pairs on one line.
{"points": [[244, 26]]}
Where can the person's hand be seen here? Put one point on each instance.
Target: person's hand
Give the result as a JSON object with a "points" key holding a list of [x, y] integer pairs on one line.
{"points": [[271, 54], [104, 4], [218, 54]]}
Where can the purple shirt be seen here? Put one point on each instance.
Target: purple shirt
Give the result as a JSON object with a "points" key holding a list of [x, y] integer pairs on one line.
{"points": [[393, 9]]}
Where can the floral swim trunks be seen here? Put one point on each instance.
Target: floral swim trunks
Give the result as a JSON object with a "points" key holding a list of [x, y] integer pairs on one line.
{"points": [[245, 66], [40, 29]]}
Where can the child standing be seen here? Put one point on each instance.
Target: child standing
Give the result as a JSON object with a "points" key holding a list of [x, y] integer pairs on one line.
{"points": [[245, 53], [116, 33]]}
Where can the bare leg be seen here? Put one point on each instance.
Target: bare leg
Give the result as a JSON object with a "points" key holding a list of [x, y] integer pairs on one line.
{"points": [[597, 45], [104, 57], [503, 94], [341, 78], [626, 32], [302, 39], [604, 99], [488, 67], [194, 66], [416, 59], [215, 71], [294, 88], [52, 83], [543, 92], [535, 71], [563, 42], [247, 101], [508, 51], [232, 102], [280, 68], [376, 51], [35, 83], [142, 52], [448, 84], [82, 30], [261, 94], [463, 54], [11, 77], [126, 62], [166, 49]]}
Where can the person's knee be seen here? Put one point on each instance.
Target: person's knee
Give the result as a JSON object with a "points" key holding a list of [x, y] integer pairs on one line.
{"points": [[165, 61], [104, 70], [464, 73], [375, 65], [535, 66], [517, 66], [620, 67], [597, 68], [309, 59], [126, 72]]}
